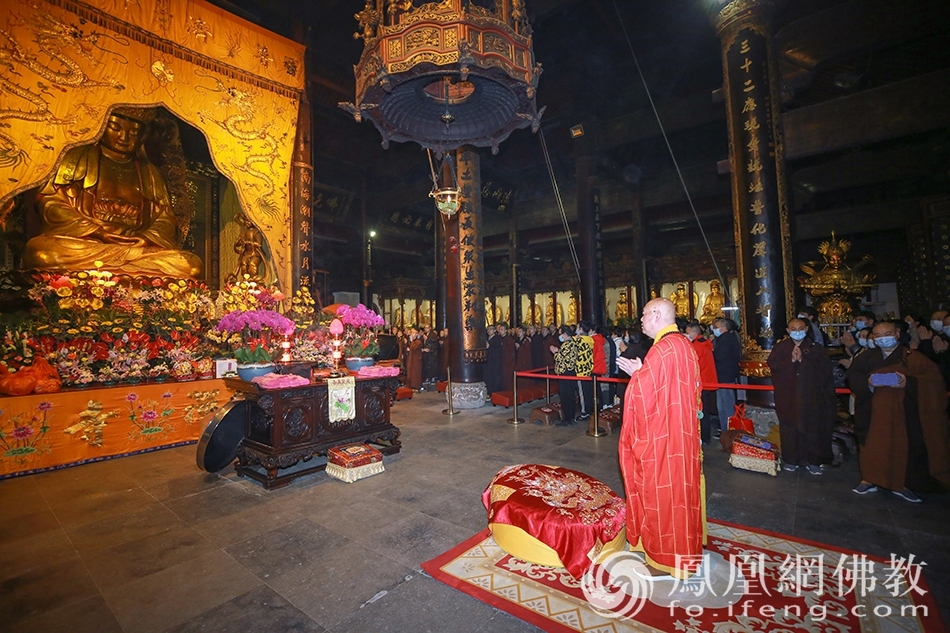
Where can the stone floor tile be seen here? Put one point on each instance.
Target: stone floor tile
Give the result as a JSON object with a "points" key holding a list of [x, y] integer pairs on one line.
{"points": [[422, 603], [144, 557], [43, 589], [110, 531], [260, 609], [176, 594], [217, 502], [91, 615], [335, 586], [37, 550], [286, 548]]}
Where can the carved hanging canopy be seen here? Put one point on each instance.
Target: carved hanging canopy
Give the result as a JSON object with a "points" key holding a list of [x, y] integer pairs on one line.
{"points": [[446, 74]]}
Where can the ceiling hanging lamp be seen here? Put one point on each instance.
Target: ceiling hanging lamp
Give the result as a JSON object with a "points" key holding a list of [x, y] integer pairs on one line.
{"points": [[446, 74]]}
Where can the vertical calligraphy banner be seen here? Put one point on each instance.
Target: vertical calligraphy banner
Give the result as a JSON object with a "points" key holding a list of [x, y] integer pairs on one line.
{"points": [[760, 207], [302, 201], [471, 266]]}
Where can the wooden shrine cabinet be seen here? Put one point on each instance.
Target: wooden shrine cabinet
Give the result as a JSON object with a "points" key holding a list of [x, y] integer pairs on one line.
{"points": [[287, 426]]}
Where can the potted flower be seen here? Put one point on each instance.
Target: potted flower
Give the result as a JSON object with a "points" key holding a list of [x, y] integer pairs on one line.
{"points": [[257, 334], [359, 338]]}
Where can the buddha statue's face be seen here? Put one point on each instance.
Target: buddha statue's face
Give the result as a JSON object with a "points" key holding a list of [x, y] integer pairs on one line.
{"points": [[715, 287], [122, 135], [680, 291]]}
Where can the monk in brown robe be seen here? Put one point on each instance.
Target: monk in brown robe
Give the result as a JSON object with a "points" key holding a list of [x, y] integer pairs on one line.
{"points": [[805, 399], [523, 356], [900, 414], [414, 361], [107, 202]]}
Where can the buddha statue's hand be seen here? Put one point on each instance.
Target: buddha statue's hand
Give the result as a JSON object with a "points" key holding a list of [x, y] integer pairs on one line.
{"points": [[122, 240]]}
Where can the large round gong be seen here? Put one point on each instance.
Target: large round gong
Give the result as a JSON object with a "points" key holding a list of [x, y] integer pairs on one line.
{"points": [[221, 437]]}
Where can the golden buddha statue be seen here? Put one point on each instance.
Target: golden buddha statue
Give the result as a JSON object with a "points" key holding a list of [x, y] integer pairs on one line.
{"points": [[836, 288], [712, 307], [623, 309], [681, 300], [107, 202], [573, 309], [554, 314], [249, 247]]}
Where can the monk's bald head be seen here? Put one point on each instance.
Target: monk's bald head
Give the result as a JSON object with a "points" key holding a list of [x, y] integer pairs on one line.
{"points": [[657, 314]]}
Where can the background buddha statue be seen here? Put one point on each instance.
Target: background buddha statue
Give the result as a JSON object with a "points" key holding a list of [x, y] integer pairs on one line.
{"points": [[681, 300], [249, 247], [712, 307], [108, 202], [622, 307]]}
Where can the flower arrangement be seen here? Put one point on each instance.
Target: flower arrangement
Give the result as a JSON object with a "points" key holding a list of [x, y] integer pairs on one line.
{"points": [[258, 333], [96, 326], [313, 346], [359, 338]]}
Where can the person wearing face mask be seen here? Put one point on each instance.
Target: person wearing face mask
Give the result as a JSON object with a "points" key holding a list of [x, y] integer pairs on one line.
{"points": [[809, 315], [707, 372], [900, 418], [805, 400], [726, 352], [933, 340]]}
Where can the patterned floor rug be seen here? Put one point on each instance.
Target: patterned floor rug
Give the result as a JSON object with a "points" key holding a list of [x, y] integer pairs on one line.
{"points": [[751, 581]]}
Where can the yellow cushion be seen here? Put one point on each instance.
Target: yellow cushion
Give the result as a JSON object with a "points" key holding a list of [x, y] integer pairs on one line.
{"points": [[522, 545]]}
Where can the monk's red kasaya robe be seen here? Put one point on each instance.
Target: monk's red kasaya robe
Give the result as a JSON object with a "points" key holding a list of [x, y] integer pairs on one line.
{"points": [[660, 457]]}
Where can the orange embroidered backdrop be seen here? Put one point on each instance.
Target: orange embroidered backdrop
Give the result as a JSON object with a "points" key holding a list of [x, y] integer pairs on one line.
{"points": [[43, 431], [64, 63]]}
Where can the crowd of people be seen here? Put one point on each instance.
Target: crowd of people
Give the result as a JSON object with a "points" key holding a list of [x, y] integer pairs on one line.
{"points": [[898, 373], [423, 353]]}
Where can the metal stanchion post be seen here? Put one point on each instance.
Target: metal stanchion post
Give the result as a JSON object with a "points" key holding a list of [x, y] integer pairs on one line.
{"points": [[547, 386], [448, 392], [514, 392], [592, 429]]}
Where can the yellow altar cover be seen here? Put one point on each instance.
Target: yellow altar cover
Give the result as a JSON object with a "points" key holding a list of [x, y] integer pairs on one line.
{"points": [[51, 430]]}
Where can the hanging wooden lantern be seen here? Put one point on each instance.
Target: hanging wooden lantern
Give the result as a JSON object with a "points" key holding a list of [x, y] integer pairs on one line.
{"points": [[446, 74]]}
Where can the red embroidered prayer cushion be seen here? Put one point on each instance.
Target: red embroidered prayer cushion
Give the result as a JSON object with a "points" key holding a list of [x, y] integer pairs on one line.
{"points": [[554, 516]]}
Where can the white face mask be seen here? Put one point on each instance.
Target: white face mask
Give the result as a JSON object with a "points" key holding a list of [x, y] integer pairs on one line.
{"points": [[946, 330], [860, 324], [886, 342], [798, 335], [716, 331], [863, 342], [936, 325], [562, 338]]}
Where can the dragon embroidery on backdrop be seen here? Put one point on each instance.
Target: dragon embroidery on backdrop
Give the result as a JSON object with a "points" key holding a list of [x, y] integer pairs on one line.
{"points": [[261, 147], [61, 42]]}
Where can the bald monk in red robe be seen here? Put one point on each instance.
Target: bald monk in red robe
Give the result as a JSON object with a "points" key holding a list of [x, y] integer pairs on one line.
{"points": [[659, 448]]}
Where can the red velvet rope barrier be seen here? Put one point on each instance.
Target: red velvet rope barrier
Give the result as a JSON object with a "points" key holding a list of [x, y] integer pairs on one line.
{"points": [[542, 372]]}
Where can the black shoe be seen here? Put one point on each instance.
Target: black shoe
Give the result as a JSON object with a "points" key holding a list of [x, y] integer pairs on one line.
{"points": [[565, 423], [582, 417]]}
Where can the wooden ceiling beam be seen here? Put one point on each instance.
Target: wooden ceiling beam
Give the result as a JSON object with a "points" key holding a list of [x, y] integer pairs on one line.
{"points": [[906, 107], [869, 218]]}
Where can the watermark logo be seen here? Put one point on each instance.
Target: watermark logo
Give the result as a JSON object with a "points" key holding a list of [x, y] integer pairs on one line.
{"points": [[618, 586]]}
